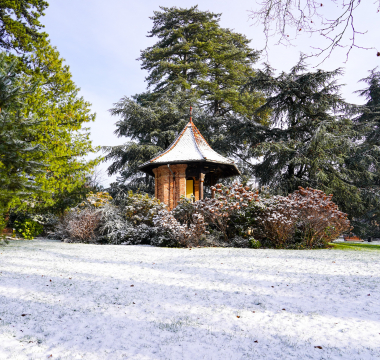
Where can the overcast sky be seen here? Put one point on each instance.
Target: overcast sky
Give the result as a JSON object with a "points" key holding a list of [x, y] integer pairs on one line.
{"points": [[101, 40]]}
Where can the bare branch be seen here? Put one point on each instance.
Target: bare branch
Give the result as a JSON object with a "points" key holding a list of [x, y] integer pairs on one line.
{"points": [[280, 17]]}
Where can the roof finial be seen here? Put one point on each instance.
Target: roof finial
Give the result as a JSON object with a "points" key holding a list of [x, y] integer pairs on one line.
{"points": [[191, 113]]}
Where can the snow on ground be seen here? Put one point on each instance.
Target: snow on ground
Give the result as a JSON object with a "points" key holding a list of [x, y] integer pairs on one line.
{"points": [[76, 301]]}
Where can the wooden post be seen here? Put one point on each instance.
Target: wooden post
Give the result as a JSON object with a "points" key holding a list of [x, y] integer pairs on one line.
{"points": [[201, 180]]}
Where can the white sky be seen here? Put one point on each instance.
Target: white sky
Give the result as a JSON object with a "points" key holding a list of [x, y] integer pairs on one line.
{"points": [[102, 40]]}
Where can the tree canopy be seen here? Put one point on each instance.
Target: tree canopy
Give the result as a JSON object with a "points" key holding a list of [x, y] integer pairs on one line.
{"points": [[194, 53], [63, 136], [365, 158], [51, 114], [19, 24], [194, 62], [20, 159]]}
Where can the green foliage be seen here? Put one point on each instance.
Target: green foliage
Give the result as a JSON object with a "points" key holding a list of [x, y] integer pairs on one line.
{"points": [[42, 117], [139, 208], [28, 229], [355, 247], [366, 158], [310, 138], [19, 24], [20, 158], [60, 138], [194, 62], [3, 225], [254, 244], [63, 136]]}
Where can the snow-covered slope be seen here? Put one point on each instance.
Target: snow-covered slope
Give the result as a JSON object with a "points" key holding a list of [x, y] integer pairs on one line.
{"points": [[75, 301]]}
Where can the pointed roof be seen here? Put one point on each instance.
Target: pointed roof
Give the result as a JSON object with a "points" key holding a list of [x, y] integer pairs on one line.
{"points": [[189, 146]]}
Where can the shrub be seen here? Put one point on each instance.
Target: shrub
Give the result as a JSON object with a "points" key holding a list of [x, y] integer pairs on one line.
{"points": [[28, 229], [126, 219], [48, 221], [254, 244], [139, 208], [181, 234], [217, 222], [81, 224], [3, 224], [96, 200], [229, 202], [116, 228], [275, 223], [319, 219], [306, 218], [129, 220], [184, 210]]}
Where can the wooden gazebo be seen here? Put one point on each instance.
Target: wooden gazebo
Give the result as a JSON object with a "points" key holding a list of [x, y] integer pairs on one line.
{"points": [[184, 167]]}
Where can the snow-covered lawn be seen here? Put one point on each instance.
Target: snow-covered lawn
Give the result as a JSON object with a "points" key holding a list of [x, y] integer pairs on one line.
{"points": [[75, 301]]}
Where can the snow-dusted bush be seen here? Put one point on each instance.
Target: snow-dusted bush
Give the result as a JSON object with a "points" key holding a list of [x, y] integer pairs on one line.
{"points": [[319, 218], [275, 224], [117, 228], [184, 210], [48, 221], [221, 221], [96, 200], [129, 220], [231, 203], [81, 224], [138, 208], [178, 234], [305, 218]]}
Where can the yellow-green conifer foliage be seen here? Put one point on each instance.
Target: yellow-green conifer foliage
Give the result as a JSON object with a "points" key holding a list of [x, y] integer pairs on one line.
{"points": [[63, 136]]}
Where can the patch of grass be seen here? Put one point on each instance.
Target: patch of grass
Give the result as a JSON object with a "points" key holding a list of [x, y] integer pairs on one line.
{"points": [[355, 247]]}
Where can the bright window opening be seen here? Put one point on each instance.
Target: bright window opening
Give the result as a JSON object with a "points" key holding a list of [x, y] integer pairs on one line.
{"points": [[189, 188]]}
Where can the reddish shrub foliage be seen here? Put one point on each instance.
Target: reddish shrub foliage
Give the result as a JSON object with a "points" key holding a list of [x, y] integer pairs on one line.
{"points": [[319, 216], [307, 216], [276, 222], [228, 200]]}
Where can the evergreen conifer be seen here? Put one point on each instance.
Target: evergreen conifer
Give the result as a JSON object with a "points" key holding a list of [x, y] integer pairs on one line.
{"points": [[195, 62], [310, 138]]}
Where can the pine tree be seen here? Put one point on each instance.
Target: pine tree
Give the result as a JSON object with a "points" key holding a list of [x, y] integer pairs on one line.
{"points": [[194, 53], [310, 137], [366, 157], [55, 98], [63, 136], [20, 160], [195, 62]]}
